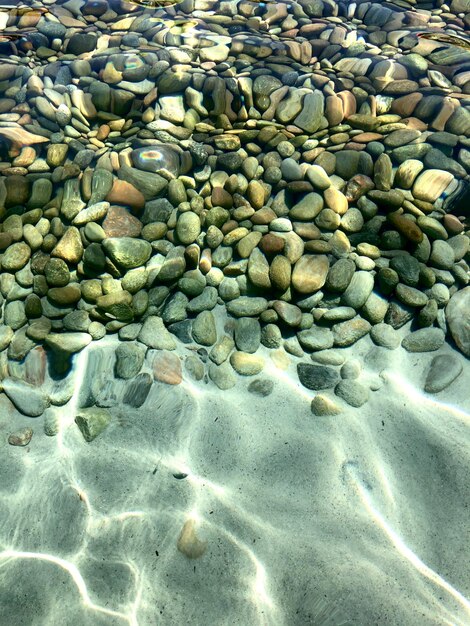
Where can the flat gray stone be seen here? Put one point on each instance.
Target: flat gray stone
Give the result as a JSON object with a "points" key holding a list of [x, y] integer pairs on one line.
{"points": [[424, 340], [154, 334], [317, 377], [458, 319], [444, 369], [316, 338], [385, 335], [353, 393], [27, 398], [129, 360]]}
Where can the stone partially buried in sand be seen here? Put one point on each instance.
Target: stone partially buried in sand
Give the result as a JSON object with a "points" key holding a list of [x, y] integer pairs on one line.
{"points": [[189, 543], [445, 368], [27, 398], [92, 422], [317, 377], [458, 319]]}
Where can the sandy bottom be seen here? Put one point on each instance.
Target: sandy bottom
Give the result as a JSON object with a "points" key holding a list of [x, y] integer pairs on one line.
{"points": [[360, 518]]}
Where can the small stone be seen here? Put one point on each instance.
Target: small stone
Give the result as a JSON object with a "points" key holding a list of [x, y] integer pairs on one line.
{"points": [[358, 290], [70, 247], [154, 334], [137, 390], [351, 369], [188, 227], [323, 405], [385, 335], [204, 330], [316, 338], [309, 273], [261, 387], [16, 257], [167, 367], [194, 367], [20, 437], [129, 360], [458, 319], [247, 334], [353, 393], [246, 364], [317, 377], [222, 375], [92, 422], [328, 357], [348, 332], [127, 252]]}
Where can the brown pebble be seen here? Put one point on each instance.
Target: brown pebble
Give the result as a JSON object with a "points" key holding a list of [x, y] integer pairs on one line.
{"points": [[406, 227], [167, 367], [271, 244], [120, 223], [452, 224], [21, 437], [221, 197], [125, 194]]}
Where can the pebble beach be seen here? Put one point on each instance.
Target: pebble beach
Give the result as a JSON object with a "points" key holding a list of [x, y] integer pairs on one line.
{"points": [[235, 313]]}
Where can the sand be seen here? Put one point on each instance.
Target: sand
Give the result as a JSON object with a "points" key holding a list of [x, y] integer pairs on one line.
{"points": [[284, 518]]}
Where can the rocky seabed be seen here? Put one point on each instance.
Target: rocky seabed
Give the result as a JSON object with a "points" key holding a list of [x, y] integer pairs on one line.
{"points": [[290, 165]]}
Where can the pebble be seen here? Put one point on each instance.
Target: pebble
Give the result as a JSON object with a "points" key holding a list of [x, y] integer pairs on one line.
{"points": [[92, 422], [317, 377], [458, 319], [323, 405], [307, 199], [383, 334], [129, 360], [424, 340], [352, 392]]}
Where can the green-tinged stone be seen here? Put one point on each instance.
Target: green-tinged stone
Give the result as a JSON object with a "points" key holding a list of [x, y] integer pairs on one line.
{"points": [[92, 422]]}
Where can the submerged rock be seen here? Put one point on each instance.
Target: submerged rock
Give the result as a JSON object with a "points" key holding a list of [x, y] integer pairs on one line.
{"points": [[92, 422]]}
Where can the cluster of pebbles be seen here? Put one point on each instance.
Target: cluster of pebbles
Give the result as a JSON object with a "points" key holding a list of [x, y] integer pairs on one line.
{"points": [[291, 163]]}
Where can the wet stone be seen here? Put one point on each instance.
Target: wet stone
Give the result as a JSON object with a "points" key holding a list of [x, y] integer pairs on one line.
{"points": [[137, 390], [92, 422], [129, 360], [444, 369], [247, 334], [246, 364], [424, 340], [352, 392], [383, 334], [317, 377], [261, 387]]}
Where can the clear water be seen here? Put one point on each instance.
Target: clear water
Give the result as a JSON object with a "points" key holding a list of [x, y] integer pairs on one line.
{"points": [[210, 497]]}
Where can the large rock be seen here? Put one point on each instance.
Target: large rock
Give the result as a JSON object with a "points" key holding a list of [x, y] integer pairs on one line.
{"points": [[458, 319], [27, 398]]}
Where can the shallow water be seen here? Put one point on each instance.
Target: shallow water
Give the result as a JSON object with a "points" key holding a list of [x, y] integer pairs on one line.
{"points": [[295, 451]]}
